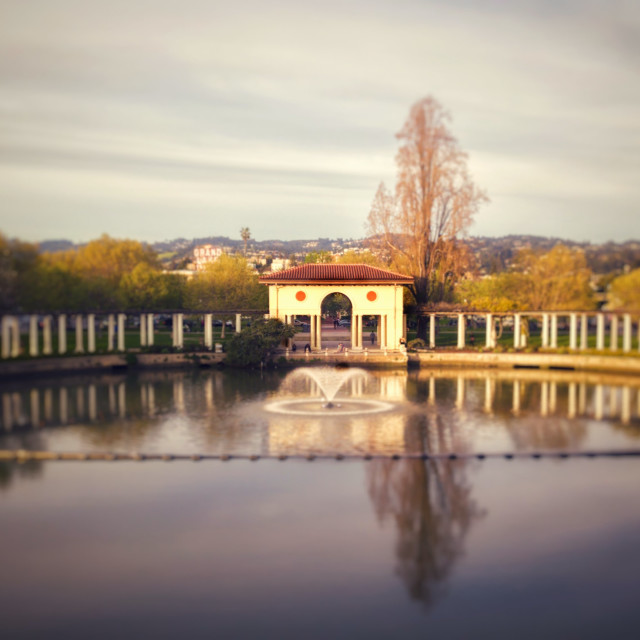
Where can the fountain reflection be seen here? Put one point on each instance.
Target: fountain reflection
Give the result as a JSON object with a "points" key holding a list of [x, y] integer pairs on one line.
{"points": [[224, 412]]}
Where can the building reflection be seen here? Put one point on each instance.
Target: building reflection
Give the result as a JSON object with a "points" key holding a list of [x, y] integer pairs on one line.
{"points": [[433, 410]]}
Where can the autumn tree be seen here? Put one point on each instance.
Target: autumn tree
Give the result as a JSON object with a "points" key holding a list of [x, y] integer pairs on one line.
{"points": [[418, 228], [319, 257]]}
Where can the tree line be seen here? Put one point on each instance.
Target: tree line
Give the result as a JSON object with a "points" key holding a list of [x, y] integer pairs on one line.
{"points": [[109, 274]]}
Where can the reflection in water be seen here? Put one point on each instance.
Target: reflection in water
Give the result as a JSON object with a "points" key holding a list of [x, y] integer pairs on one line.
{"points": [[224, 412], [431, 506]]}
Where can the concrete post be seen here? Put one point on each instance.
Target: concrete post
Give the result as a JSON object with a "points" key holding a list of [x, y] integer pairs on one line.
{"points": [[626, 332], [545, 330], [15, 343], [111, 326], [91, 333], [79, 334], [554, 331], [516, 331], [121, 344], [573, 331], [33, 335], [600, 332], [312, 331], [62, 333], [180, 330], [613, 331], [150, 329], [432, 331], [47, 344], [584, 332], [143, 329], [208, 331], [6, 336], [461, 330]]}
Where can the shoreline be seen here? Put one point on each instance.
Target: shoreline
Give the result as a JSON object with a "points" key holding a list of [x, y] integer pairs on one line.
{"points": [[627, 365]]}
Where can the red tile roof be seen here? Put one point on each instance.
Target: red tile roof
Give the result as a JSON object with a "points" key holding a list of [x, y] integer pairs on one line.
{"points": [[333, 273]]}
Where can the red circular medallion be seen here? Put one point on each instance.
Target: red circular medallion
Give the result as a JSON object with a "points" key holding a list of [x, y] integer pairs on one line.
{"points": [[371, 296], [301, 295]]}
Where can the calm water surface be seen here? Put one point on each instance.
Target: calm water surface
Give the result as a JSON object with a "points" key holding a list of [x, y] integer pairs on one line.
{"points": [[500, 548]]}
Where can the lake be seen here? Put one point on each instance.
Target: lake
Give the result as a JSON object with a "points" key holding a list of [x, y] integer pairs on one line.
{"points": [[300, 544]]}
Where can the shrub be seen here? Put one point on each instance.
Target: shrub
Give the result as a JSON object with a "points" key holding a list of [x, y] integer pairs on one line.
{"points": [[418, 343]]}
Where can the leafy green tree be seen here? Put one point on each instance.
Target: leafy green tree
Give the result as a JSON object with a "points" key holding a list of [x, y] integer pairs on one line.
{"points": [[319, 257], [146, 288], [257, 343], [553, 281], [624, 291], [226, 284], [361, 257]]}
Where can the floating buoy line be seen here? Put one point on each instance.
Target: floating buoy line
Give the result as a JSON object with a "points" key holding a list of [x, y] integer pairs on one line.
{"points": [[26, 455]]}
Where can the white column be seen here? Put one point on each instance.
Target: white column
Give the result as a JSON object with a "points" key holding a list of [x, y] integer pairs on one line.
{"points": [[6, 336], [91, 333], [79, 334], [613, 331], [174, 329], [62, 333], [33, 335], [143, 329], [488, 340], [355, 331], [47, 345], [319, 332], [238, 323], [516, 331], [121, 344], [600, 331], [384, 338], [149, 329], [312, 331], [626, 332], [15, 343], [573, 331], [461, 331], [432, 331], [111, 325], [554, 331], [545, 330], [180, 330], [584, 331], [208, 331]]}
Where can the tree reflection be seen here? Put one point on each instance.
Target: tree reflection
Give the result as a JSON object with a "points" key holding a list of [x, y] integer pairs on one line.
{"points": [[431, 505]]}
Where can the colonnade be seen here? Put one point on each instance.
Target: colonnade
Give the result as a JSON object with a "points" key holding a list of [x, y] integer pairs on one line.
{"points": [[84, 326], [578, 330]]}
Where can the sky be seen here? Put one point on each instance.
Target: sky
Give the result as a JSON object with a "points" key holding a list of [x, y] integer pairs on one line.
{"points": [[160, 119]]}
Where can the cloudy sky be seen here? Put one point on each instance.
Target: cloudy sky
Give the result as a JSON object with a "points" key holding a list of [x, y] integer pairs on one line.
{"points": [[158, 119]]}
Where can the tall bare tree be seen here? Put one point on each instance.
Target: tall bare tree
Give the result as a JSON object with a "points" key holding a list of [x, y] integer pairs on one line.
{"points": [[418, 228], [245, 234]]}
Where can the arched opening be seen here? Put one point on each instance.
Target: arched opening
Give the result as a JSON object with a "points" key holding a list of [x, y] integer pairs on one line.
{"points": [[336, 312]]}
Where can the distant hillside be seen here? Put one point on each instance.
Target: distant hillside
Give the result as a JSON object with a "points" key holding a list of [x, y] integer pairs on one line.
{"points": [[492, 254]]}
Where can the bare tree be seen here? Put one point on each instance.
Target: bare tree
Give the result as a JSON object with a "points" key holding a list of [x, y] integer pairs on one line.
{"points": [[245, 234], [418, 228]]}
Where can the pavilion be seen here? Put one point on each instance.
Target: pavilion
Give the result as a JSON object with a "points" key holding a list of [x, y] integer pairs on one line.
{"points": [[300, 291]]}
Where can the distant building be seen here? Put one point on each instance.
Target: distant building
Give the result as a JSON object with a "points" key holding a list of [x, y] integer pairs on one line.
{"points": [[205, 254], [278, 264]]}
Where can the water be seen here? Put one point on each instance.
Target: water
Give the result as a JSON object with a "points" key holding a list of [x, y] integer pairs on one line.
{"points": [[382, 548]]}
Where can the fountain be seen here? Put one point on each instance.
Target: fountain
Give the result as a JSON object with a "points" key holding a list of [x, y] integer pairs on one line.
{"points": [[329, 381]]}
